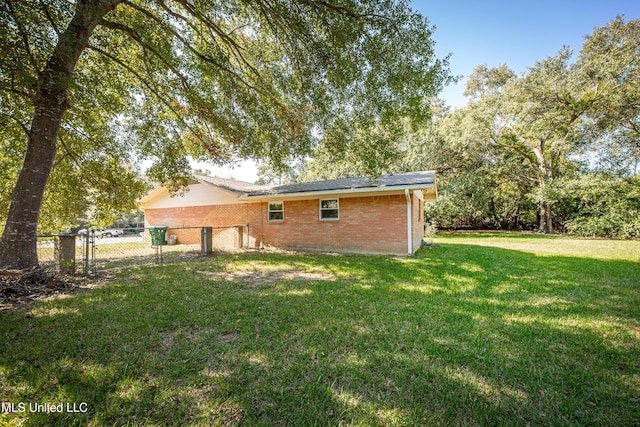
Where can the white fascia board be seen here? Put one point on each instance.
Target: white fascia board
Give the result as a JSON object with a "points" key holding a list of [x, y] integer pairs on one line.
{"points": [[353, 192], [231, 192], [152, 195], [199, 194]]}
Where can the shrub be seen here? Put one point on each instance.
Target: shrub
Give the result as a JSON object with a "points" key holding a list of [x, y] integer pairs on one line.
{"points": [[601, 205]]}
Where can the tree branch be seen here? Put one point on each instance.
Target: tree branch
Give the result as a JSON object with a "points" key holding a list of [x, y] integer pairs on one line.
{"points": [[15, 91], [513, 147], [24, 127], [77, 161], [23, 35], [190, 47], [146, 47], [342, 10], [236, 49], [144, 81], [280, 32], [50, 18], [205, 20]]}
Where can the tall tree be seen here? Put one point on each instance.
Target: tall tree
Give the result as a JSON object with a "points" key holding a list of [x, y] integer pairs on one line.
{"points": [[536, 116], [480, 184], [610, 60], [217, 79]]}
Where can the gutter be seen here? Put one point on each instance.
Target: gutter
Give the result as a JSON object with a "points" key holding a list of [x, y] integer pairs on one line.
{"points": [[313, 193], [407, 195]]}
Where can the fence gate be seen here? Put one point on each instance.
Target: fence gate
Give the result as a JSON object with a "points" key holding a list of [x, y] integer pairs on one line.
{"points": [[129, 247], [89, 253]]}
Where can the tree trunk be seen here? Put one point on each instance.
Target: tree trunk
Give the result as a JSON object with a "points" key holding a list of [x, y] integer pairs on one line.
{"points": [[18, 245], [544, 177], [546, 219], [18, 242]]}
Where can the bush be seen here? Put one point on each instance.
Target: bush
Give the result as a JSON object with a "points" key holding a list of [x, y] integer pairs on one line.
{"points": [[472, 201], [601, 205]]}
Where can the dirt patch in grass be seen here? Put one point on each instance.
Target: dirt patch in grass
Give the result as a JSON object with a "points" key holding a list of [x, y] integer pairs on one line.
{"points": [[266, 278], [228, 337]]}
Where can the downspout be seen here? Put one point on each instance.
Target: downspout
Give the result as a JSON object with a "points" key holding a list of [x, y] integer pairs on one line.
{"points": [[409, 225]]}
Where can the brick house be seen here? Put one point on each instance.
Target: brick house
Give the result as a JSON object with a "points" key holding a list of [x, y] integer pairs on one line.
{"points": [[353, 215]]}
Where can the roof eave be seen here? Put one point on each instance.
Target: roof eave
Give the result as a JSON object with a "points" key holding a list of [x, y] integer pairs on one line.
{"points": [[151, 195], [388, 189], [236, 192]]}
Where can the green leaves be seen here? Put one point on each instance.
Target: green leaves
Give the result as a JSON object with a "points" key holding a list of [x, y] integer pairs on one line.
{"points": [[609, 61], [562, 119], [600, 205], [161, 81]]}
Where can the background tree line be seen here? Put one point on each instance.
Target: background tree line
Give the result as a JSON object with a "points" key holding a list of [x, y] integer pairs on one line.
{"points": [[554, 149]]}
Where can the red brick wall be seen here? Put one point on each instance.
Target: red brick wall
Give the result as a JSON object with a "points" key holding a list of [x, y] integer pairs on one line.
{"points": [[367, 225], [376, 224], [199, 216]]}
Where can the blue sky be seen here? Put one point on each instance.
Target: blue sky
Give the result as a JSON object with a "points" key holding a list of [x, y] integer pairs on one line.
{"points": [[514, 32]]}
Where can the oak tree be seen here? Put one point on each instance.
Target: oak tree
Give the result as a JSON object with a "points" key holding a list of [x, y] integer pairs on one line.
{"points": [[99, 84], [536, 116], [610, 61]]}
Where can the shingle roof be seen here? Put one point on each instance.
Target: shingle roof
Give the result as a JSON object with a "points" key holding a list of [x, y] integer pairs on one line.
{"points": [[412, 179], [231, 184], [425, 178]]}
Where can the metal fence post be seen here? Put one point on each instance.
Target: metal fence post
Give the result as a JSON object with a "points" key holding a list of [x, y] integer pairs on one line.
{"points": [[86, 254], [92, 243]]}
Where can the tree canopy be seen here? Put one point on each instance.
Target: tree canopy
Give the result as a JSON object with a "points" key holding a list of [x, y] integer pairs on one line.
{"points": [[537, 148], [90, 88]]}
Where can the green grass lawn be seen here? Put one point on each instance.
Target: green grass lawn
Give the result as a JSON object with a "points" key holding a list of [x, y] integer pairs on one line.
{"points": [[488, 329]]}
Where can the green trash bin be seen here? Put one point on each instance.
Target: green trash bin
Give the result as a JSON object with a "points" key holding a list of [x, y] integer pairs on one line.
{"points": [[158, 234]]}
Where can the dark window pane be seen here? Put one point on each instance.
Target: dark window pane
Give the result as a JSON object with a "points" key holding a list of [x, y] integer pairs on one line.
{"points": [[276, 216], [329, 213]]}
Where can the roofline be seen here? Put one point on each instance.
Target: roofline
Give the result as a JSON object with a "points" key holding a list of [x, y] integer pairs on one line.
{"points": [[151, 195], [386, 189], [158, 191], [220, 187], [248, 196], [202, 179]]}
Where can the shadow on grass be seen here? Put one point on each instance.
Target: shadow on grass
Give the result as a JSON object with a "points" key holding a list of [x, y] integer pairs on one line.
{"points": [[461, 335], [519, 235]]}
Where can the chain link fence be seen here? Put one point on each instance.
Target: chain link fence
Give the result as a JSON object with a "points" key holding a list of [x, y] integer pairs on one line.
{"points": [[93, 250], [46, 250]]}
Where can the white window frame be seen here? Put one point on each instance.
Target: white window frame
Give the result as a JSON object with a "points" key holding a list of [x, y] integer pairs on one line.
{"points": [[321, 209], [269, 210]]}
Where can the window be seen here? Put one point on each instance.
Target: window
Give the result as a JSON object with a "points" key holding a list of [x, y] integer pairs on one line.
{"points": [[329, 209], [276, 211]]}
